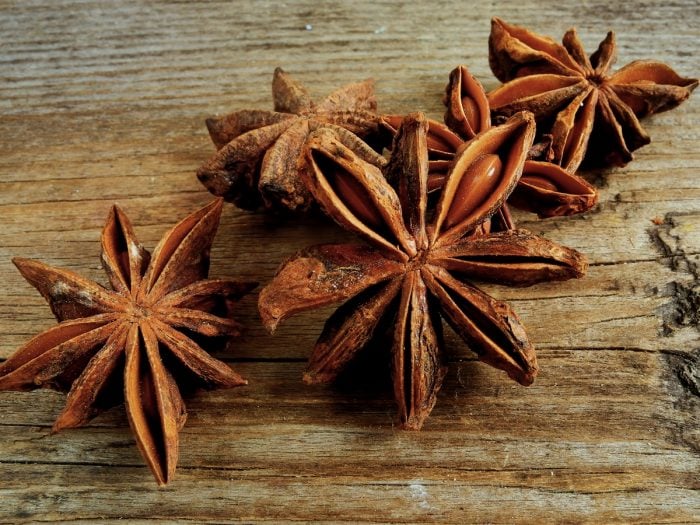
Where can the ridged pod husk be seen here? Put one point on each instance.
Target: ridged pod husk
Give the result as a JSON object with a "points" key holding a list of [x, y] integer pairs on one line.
{"points": [[416, 268], [467, 108], [258, 151], [591, 113], [546, 189], [133, 344]]}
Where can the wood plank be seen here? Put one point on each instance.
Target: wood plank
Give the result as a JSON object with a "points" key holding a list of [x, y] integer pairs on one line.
{"points": [[542, 444], [104, 102]]}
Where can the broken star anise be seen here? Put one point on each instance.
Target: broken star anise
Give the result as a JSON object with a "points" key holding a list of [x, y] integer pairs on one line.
{"points": [[544, 188], [137, 342], [416, 268], [591, 114], [256, 161]]}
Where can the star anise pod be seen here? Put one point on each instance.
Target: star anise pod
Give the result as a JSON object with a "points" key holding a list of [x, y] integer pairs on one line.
{"points": [[544, 188], [138, 342], [414, 271], [591, 113], [256, 161]]}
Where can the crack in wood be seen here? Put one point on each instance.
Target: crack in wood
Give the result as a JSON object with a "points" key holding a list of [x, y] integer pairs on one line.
{"points": [[688, 373], [684, 308]]}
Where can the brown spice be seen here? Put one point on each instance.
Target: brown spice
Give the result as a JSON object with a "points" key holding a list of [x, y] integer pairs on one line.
{"points": [[414, 272], [589, 112], [544, 188], [133, 343], [256, 161]]}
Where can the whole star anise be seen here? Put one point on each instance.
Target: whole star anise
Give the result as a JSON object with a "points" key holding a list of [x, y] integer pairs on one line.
{"points": [[544, 188], [137, 342], [590, 113], [256, 161], [414, 271]]}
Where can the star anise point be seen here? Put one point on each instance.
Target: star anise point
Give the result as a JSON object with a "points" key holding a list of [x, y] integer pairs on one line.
{"points": [[258, 151], [410, 276], [109, 344], [592, 113]]}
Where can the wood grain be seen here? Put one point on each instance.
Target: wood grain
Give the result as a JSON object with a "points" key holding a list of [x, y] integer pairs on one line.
{"points": [[104, 102]]}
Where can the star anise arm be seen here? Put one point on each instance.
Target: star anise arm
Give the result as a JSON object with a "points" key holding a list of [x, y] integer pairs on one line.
{"points": [[207, 370], [206, 295], [550, 191], [348, 330], [200, 322], [279, 180], [515, 257], [648, 87], [605, 56], [543, 95], [514, 51], [572, 129], [358, 96], [53, 359], [153, 403], [634, 135], [205, 306], [182, 255], [360, 123], [442, 141], [468, 111], [356, 194], [607, 144], [322, 275], [490, 327], [574, 48], [82, 400], [353, 142], [123, 257], [408, 168], [224, 129], [483, 174], [289, 95], [69, 295], [417, 363], [232, 172]]}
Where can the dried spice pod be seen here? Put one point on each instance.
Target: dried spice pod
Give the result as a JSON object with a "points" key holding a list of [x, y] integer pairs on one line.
{"points": [[442, 145], [549, 191], [468, 112], [591, 113], [467, 115], [133, 343], [258, 151], [415, 271]]}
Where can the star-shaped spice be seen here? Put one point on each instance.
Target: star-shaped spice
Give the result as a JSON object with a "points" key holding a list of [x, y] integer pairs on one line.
{"points": [[544, 188], [416, 268], [591, 113], [138, 342], [256, 161]]}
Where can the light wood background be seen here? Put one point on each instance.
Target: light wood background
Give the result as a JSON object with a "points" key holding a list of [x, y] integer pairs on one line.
{"points": [[104, 102]]}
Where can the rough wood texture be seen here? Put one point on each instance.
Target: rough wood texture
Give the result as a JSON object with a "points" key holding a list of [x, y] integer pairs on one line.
{"points": [[104, 102]]}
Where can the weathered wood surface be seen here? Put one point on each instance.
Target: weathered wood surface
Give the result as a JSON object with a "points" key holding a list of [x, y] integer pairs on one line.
{"points": [[104, 102]]}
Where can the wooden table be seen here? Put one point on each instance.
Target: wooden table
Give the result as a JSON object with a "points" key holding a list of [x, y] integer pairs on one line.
{"points": [[104, 102]]}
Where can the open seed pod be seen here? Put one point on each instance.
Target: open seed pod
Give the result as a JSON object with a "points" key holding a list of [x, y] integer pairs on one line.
{"points": [[468, 112], [416, 270], [490, 166]]}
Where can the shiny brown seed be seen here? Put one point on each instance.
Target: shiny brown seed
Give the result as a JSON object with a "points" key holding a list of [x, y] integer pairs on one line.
{"points": [[480, 179], [471, 111], [357, 199], [539, 181], [405, 288]]}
